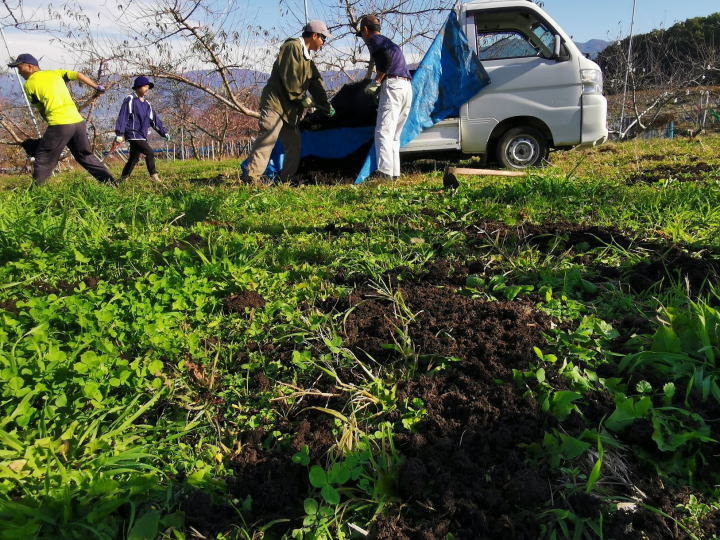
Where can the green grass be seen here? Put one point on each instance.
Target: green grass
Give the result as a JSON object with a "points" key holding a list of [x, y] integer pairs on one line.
{"points": [[128, 387]]}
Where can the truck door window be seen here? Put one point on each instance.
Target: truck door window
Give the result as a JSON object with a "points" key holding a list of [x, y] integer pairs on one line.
{"points": [[499, 44], [546, 39], [544, 35]]}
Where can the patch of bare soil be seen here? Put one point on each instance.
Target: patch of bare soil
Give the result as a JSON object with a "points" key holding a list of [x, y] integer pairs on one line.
{"points": [[681, 173], [466, 470], [9, 305], [546, 235], [238, 302], [666, 261], [665, 267], [266, 482]]}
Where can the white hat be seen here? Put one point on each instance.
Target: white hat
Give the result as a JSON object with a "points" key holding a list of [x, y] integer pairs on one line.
{"points": [[317, 27]]}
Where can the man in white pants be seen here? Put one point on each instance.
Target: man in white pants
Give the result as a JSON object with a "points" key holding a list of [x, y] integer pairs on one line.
{"points": [[395, 97]]}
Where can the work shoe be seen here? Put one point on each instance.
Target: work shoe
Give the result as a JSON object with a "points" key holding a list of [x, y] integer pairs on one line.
{"points": [[122, 179], [262, 181], [379, 177], [155, 178]]}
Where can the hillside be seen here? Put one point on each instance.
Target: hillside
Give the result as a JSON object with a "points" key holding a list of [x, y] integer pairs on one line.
{"points": [[686, 46]]}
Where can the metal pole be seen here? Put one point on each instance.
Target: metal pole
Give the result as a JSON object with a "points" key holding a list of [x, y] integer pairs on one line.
{"points": [[706, 95], [629, 64], [306, 12], [22, 88]]}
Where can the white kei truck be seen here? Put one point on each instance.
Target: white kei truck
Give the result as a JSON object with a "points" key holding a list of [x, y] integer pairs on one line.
{"points": [[543, 93]]}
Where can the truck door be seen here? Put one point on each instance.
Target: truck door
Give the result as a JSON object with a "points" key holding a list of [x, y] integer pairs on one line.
{"points": [[516, 46]]}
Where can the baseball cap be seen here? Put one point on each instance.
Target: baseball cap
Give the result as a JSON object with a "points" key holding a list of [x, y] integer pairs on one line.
{"points": [[24, 58], [142, 80], [317, 27]]}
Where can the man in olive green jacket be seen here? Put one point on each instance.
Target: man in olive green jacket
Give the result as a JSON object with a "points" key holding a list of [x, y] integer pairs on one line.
{"points": [[284, 99]]}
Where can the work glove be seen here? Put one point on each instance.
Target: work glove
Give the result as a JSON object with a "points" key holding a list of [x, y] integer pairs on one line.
{"points": [[307, 102], [331, 111], [119, 139], [100, 89], [167, 137], [372, 90]]}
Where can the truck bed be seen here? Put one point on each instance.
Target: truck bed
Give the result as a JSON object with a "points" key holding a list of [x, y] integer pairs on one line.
{"points": [[445, 135]]}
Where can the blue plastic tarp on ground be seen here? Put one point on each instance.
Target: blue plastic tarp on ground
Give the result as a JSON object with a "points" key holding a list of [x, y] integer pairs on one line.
{"points": [[449, 75], [328, 144]]}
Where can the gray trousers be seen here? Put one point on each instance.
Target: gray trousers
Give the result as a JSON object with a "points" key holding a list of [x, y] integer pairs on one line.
{"points": [[272, 128], [51, 145]]}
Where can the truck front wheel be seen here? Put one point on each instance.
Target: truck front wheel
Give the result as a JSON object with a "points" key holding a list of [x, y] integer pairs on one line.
{"points": [[522, 147]]}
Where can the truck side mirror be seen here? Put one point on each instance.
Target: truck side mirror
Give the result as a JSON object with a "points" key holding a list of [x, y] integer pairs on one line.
{"points": [[558, 53]]}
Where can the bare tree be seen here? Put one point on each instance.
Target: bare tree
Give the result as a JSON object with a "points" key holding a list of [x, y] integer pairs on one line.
{"points": [[217, 52], [220, 56], [412, 24], [665, 80], [195, 43]]}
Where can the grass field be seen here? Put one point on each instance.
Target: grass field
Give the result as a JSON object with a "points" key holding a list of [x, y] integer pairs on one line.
{"points": [[532, 357]]}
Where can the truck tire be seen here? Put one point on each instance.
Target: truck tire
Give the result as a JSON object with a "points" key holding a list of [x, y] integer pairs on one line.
{"points": [[522, 147]]}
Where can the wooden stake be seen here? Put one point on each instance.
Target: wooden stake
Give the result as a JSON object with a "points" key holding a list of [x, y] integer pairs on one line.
{"points": [[484, 172]]}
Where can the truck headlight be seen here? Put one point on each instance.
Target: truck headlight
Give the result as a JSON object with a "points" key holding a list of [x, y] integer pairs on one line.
{"points": [[592, 81]]}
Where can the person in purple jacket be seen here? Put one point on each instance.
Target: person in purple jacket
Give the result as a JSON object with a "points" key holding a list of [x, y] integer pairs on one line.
{"points": [[393, 89], [134, 120]]}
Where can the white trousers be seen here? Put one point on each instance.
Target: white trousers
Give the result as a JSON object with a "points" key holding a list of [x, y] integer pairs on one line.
{"points": [[393, 109]]}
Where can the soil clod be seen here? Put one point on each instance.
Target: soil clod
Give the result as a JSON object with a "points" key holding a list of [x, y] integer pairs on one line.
{"points": [[237, 303]]}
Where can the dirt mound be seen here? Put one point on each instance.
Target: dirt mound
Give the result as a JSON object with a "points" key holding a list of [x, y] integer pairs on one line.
{"points": [[237, 303], [466, 460], [545, 235], [465, 470], [276, 486], [315, 432], [267, 485], [664, 269], [443, 324], [9, 305], [682, 173]]}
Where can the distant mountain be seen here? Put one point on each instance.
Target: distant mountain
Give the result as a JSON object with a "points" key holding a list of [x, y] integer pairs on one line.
{"points": [[593, 47], [9, 87]]}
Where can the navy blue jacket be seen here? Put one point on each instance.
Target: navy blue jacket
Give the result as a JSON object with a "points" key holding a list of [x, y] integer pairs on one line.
{"points": [[135, 119]]}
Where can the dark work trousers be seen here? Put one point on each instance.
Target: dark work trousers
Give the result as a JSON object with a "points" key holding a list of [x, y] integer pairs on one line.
{"points": [[137, 148], [51, 145]]}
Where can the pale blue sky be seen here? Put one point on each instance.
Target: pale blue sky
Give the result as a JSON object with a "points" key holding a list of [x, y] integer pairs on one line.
{"points": [[610, 19], [584, 19]]}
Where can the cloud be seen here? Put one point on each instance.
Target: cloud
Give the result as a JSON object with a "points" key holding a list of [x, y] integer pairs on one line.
{"points": [[41, 45]]}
